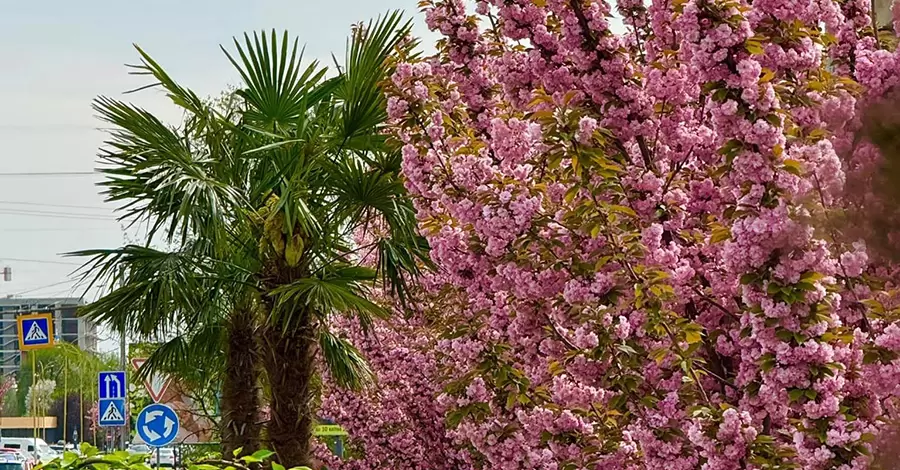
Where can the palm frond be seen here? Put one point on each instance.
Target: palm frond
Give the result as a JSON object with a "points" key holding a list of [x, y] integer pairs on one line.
{"points": [[346, 364], [366, 65], [399, 262], [154, 289], [183, 97], [276, 83], [198, 351], [335, 291], [359, 192], [152, 170], [293, 205]]}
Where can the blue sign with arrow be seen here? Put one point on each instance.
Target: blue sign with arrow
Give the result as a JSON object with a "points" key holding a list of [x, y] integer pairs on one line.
{"points": [[111, 384], [157, 425], [112, 412]]}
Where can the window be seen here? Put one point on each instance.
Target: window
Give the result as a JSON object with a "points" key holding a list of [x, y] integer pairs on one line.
{"points": [[70, 327]]}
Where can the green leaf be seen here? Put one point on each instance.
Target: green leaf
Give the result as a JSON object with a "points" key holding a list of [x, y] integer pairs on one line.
{"points": [[720, 233], [871, 357], [68, 458], [806, 286], [793, 166], [811, 276], [263, 454], [659, 355], [754, 46], [623, 210], [767, 362], [784, 335], [511, 400], [796, 393], [345, 363], [692, 337]]}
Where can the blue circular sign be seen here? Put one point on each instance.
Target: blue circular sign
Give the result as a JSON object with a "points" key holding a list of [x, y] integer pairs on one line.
{"points": [[157, 425]]}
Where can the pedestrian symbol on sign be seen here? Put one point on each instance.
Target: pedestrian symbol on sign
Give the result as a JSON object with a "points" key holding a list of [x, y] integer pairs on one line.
{"points": [[112, 413], [35, 334]]}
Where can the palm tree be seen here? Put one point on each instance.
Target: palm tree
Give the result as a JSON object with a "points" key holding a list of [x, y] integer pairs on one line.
{"points": [[262, 205], [202, 310]]}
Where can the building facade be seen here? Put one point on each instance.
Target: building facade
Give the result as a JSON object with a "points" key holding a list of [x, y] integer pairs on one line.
{"points": [[67, 326]]}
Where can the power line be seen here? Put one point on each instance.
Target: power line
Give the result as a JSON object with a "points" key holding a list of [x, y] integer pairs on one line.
{"points": [[50, 173], [39, 261], [44, 287], [57, 215], [35, 211], [41, 204], [54, 229], [47, 126]]}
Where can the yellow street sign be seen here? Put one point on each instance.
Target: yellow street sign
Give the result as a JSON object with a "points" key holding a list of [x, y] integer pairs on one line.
{"points": [[35, 331], [329, 430]]}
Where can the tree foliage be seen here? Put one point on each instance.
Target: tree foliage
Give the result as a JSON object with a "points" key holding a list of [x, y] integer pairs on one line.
{"points": [[258, 203], [638, 231]]}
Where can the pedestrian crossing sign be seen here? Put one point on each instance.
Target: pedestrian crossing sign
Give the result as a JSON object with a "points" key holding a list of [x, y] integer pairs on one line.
{"points": [[112, 412], [35, 331]]}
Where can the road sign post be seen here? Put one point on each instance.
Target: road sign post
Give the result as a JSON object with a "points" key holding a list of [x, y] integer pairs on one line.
{"points": [[35, 332], [157, 425], [112, 391]]}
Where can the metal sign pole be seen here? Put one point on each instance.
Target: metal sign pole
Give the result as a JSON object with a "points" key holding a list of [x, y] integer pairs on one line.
{"points": [[65, 404], [122, 360], [33, 398], [158, 465]]}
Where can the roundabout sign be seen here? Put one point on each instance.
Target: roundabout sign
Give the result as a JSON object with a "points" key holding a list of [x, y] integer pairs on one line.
{"points": [[157, 425]]}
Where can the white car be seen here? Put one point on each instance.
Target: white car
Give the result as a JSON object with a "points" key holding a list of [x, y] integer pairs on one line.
{"points": [[135, 449], [138, 449], [163, 457], [43, 453], [20, 456], [11, 462]]}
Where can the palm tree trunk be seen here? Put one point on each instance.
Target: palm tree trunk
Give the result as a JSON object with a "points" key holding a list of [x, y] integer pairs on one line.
{"points": [[240, 402], [289, 362]]}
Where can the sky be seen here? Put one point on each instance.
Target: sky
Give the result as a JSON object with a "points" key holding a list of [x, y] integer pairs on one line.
{"points": [[58, 55]]}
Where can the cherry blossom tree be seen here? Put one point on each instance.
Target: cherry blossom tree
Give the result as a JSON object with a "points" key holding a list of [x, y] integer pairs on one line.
{"points": [[639, 233], [396, 423]]}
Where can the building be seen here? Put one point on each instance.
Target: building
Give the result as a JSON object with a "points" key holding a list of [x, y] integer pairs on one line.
{"points": [[67, 326]]}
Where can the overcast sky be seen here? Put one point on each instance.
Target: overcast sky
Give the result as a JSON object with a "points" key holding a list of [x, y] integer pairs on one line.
{"points": [[57, 55]]}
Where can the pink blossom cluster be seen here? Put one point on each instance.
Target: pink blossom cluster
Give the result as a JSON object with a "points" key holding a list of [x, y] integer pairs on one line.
{"points": [[396, 422], [635, 232]]}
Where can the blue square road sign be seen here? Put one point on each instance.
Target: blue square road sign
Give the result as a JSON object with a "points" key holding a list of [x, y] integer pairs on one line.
{"points": [[35, 331], [111, 385], [112, 412]]}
